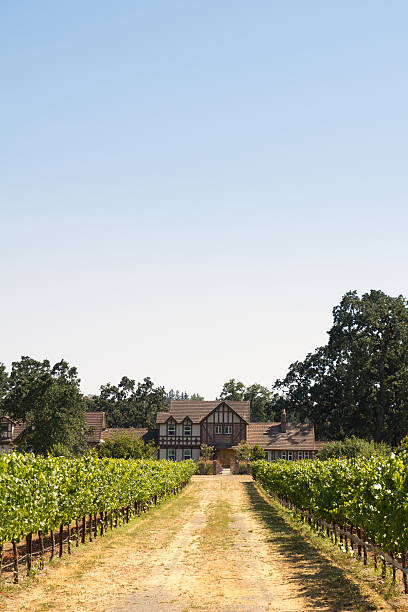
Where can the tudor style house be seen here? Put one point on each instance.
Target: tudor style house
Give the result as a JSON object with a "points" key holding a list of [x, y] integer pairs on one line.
{"points": [[224, 424]]}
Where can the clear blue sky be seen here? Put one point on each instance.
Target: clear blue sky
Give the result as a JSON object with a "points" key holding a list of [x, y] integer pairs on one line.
{"points": [[188, 188]]}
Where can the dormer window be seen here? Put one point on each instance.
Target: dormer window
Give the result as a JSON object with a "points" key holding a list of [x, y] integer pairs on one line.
{"points": [[187, 428], [171, 428]]}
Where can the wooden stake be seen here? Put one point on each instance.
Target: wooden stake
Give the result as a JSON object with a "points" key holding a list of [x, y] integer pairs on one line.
{"points": [[41, 541], [52, 544], [69, 538], [29, 543], [77, 532], [15, 562], [83, 535], [90, 527], [61, 541]]}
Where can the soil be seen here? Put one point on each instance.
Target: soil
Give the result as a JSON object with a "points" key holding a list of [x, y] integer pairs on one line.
{"points": [[219, 546]]}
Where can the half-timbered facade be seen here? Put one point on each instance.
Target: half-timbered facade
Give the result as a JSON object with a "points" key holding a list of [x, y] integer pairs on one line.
{"points": [[224, 424]]}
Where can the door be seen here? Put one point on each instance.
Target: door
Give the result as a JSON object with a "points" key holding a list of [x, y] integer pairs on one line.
{"points": [[226, 456]]}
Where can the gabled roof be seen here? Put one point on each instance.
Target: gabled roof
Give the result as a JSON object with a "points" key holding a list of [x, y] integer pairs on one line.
{"points": [[270, 436], [96, 421], [197, 411]]}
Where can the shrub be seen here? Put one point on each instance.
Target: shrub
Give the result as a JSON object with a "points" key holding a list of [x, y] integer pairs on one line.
{"points": [[257, 453], [353, 447]]}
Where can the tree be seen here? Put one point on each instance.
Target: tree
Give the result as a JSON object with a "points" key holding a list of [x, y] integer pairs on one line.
{"points": [[48, 399], [358, 382], [126, 446], [262, 401], [131, 405], [4, 381], [233, 390]]}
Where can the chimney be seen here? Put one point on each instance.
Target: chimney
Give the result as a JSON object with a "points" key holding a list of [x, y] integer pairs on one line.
{"points": [[283, 421]]}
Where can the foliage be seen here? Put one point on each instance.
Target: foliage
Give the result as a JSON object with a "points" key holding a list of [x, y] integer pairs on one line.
{"points": [[127, 446], [39, 494], [353, 447], [265, 405], [358, 381], [129, 404], [48, 399], [243, 451], [205, 466], [369, 493], [257, 453], [180, 395], [207, 452]]}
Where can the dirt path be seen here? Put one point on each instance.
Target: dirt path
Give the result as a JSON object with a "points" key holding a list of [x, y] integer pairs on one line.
{"points": [[219, 546]]}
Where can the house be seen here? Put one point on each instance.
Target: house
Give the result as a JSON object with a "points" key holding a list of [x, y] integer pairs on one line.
{"points": [[96, 431], [224, 424]]}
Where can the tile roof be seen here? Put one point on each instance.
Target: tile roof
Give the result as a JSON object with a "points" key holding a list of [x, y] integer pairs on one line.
{"points": [[269, 435], [320, 443], [111, 432], [197, 411], [96, 421]]}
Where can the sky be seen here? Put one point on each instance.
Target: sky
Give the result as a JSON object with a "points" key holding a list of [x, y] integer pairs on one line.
{"points": [[187, 189]]}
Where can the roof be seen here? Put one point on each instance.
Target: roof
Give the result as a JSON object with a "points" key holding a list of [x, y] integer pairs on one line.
{"points": [[96, 421], [197, 411], [269, 436], [17, 429], [112, 432], [320, 443]]}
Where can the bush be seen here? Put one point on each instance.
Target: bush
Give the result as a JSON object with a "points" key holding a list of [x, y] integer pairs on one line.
{"points": [[353, 447], [243, 467], [257, 453], [126, 446], [243, 451], [205, 466]]}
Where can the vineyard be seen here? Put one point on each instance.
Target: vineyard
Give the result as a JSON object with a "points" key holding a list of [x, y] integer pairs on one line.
{"points": [[77, 497], [361, 503]]}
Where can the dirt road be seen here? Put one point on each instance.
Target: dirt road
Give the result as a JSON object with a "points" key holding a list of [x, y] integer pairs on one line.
{"points": [[219, 546]]}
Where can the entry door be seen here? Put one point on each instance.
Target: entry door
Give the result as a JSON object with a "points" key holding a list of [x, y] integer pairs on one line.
{"points": [[226, 456]]}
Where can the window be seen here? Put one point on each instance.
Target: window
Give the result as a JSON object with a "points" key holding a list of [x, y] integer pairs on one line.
{"points": [[300, 454], [283, 454], [187, 428], [5, 432], [218, 429], [306, 454], [228, 429], [171, 429], [187, 453], [290, 455], [171, 454]]}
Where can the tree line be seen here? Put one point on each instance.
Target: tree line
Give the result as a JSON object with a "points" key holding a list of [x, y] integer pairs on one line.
{"points": [[48, 399], [355, 384]]}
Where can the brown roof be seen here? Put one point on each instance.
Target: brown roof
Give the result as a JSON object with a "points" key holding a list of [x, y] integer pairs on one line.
{"points": [[97, 422], [269, 435], [320, 443], [197, 411], [112, 432]]}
